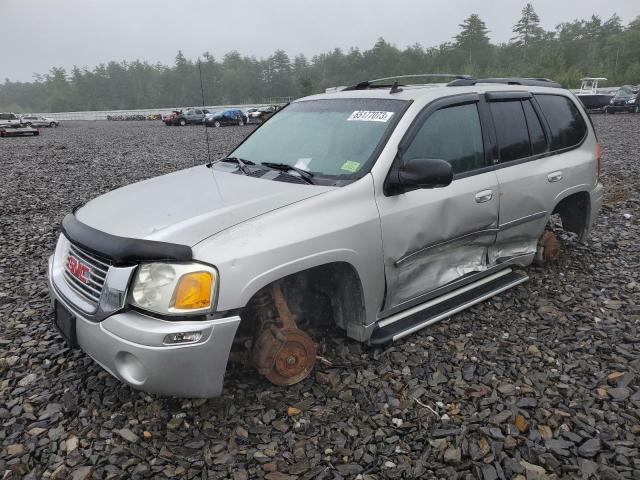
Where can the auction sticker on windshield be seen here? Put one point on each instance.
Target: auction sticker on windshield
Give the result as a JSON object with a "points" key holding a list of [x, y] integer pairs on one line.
{"points": [[350, 166], [370, 116]]}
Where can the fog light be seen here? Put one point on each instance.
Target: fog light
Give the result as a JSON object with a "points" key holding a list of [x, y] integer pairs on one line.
{"points": [[182, 337]]}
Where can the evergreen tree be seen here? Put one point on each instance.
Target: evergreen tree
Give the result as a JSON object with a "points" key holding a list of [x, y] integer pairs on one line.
{"points": [[473, 41], [528, 29]]}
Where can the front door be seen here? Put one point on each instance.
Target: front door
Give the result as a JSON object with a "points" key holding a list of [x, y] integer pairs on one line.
{"points": [[434, 236]]}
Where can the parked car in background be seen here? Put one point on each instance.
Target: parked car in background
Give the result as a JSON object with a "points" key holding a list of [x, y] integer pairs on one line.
{"points": [[375, 211], [252, 115], [38, 121], [9, 119], [168, 118], [190, 116], [18, 130], [261, 114], [625, 100], [232, 116]]}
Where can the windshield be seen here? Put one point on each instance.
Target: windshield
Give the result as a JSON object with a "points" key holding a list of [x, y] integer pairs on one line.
{"points": [[624, 92], [331, 138]]}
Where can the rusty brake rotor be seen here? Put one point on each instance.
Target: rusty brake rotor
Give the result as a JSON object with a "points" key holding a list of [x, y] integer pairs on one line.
{"points": [[284, 354], [550, 247]]}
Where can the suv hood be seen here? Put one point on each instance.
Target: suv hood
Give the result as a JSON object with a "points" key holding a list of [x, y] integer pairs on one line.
{"points": [[187, 206]]}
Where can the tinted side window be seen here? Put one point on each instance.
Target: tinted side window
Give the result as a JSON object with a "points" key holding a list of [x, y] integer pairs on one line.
{"points": [[511, 130], [536, 133], [452, 134], [566, 124]]}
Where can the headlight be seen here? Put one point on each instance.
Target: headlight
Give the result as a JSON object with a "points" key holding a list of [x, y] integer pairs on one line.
{"points": [[633, 100], [174, 288]]}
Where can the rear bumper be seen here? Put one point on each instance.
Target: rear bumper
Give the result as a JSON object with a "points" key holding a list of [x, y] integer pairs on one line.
{"points": [[129, 345], [597, 198]]}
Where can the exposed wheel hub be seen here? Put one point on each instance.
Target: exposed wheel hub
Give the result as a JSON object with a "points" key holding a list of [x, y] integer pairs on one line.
{"points": [[284, 353], [285, 356], [548, 248]]}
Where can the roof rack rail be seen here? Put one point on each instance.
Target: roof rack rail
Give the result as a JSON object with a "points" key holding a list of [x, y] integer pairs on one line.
{"points": [[371, 83], [526, 81]]}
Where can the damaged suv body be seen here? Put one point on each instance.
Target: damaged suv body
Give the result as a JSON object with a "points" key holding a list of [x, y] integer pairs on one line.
{"points": [[376, 210]]}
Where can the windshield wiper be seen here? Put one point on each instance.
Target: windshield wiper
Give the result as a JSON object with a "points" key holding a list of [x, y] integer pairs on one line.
{"points": [[242, 164], [283, 167]]}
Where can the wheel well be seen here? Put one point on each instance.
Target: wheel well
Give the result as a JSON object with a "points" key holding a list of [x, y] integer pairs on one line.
{"points": [[321, 296], [574, 212]]}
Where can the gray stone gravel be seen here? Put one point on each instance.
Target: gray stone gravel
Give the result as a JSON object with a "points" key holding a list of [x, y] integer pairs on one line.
{"points": [[539, 382]]}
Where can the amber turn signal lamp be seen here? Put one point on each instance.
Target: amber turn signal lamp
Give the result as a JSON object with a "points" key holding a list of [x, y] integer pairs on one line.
{"points": [[194, 291]]}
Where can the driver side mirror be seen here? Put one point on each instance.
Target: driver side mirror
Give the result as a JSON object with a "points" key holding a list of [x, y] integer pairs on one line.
{"points": [[419, 173]]}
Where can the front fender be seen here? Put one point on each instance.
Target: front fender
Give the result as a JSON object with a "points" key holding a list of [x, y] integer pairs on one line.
{"points": [[296, 266], [341, 225]]}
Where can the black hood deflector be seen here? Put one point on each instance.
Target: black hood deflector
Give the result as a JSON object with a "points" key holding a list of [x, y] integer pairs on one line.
{"points": [[122, 250]]}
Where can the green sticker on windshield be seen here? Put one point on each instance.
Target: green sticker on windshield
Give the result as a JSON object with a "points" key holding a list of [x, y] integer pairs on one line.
{"points": [[350, 166]]}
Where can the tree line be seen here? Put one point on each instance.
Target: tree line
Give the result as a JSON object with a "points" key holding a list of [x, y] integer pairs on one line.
{"points": [[591, 47]]}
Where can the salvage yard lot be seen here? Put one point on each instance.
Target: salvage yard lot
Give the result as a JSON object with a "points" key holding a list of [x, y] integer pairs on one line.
{"points": [[541, 381]]}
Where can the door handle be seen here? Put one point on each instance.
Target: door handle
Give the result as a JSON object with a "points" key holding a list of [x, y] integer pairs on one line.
{"points": [[554, 176], [484, 196]]}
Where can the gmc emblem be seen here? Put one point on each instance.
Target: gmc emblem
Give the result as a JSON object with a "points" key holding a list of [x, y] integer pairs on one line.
{"points": [[78, 269]]}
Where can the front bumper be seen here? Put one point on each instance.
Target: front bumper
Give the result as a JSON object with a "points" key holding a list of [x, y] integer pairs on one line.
{"points": [[620, 108], [129, 345]]}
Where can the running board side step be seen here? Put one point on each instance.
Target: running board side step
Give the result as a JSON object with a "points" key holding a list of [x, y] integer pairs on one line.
{"points": [[413, 319]]}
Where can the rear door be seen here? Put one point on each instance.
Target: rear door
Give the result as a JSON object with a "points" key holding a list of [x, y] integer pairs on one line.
{"points": [[434, 236], [536, 161]]}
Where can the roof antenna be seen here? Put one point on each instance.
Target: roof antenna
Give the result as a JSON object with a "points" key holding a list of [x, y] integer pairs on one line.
{"points": [[206, 130], [395, 88]]}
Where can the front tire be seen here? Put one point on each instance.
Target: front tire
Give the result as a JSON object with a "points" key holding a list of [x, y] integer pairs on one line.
{"points": [[182, 122], [53, 124], [217, 124], [240, 123]]}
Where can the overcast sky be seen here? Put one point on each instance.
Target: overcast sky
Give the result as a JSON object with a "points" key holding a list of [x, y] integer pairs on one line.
{"points": [[87, 32]]}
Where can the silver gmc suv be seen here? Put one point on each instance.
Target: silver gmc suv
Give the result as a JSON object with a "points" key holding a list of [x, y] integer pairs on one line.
{"points": [[376, 209]]}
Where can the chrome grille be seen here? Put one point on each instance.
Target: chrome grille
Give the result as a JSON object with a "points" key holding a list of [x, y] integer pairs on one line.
{"points": [[91, 288]]}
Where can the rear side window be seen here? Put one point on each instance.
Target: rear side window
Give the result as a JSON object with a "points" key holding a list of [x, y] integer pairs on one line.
{"points": [[511, 130], [536, 133], [452, 134], [564, 119]]}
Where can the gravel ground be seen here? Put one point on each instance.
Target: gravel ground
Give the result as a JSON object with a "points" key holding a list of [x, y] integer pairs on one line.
{"points": [[542, 381]]}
